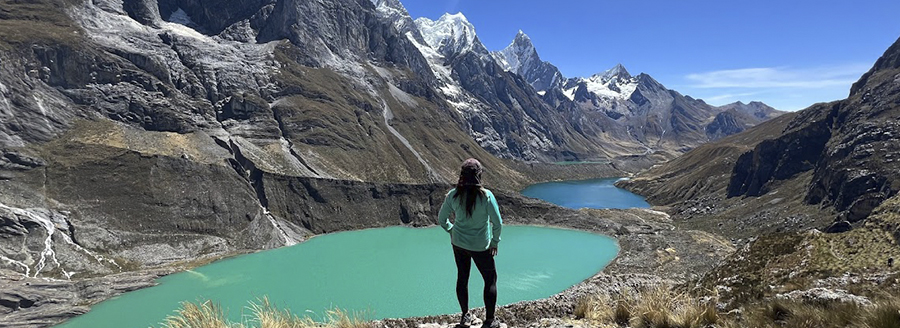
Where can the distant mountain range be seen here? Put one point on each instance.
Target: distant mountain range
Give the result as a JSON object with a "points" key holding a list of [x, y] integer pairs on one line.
{"points": [[627, 114]]}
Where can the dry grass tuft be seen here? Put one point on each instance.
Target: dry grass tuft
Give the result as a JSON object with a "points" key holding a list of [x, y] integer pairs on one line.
{"points": [[264, 315], [267, 316], [885, 313], [203, 315], [799, 314], [338, 318], [655, 308]]}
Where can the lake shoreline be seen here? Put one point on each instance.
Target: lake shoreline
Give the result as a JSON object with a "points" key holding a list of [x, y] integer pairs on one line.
{"points": [[597, 193]]}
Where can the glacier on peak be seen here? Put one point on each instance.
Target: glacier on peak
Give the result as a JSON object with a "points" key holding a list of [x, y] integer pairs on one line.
{"points": [[451, 34], [615, 82]]}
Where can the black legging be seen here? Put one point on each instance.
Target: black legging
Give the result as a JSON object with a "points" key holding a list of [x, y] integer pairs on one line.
{"points": [[485, 264]]}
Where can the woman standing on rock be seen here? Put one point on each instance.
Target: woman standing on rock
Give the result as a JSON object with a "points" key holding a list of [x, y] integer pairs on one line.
{"points": [[474, 235]]}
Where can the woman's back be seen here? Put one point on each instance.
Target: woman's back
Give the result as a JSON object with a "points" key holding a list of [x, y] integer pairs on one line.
{"points": [[477, 231]]}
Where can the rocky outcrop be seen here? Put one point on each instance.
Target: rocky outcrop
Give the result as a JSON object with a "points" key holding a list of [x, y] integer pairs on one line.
{"points": [[33, 302], [527, 127], [824, 295], [352, 29], [795, 151]]}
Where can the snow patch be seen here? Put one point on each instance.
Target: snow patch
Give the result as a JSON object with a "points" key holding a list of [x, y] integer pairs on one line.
{"points": [[185, 31], [181, 24], [610, 89], [570, 93]]}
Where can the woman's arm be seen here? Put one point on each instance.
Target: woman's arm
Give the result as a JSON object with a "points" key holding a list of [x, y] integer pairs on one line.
{"points": [[444, 214], [496, 221]]}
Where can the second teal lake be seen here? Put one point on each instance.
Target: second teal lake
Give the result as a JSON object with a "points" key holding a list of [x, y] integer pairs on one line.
{"points": [[593, 193]]}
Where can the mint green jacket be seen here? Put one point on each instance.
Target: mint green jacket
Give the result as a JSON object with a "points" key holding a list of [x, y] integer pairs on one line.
{"points": [[478, 232]]}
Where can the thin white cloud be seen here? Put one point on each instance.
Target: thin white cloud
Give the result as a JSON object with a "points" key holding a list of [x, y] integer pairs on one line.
{"points": [[729, 96], [779, 77]]}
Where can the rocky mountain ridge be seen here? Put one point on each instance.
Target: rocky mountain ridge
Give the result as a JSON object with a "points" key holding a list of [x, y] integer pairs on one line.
{"points": [[639, 109], [468, 75], [737, 117], [520, 57], [812, 196]]}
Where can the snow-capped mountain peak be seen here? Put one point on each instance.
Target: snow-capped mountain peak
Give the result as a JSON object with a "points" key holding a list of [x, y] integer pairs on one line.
{"points": [[521, 57], [522, 38], [617, 71], [450, 34], [519, 53], [615, 82]]}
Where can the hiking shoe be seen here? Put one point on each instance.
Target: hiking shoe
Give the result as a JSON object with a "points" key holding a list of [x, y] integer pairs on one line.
{"points": [[466, 320], [491, 324]]}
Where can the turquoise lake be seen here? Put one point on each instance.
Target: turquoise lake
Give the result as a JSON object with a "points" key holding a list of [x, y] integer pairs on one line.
{"points": [[593, 193], [387, 272]]}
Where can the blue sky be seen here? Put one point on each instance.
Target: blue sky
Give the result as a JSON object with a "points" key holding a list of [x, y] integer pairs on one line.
{"points": [[788, 53]]}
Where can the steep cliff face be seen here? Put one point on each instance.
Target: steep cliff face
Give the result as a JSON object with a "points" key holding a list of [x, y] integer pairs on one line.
{"points": [[500, 110]]}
